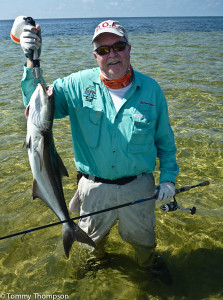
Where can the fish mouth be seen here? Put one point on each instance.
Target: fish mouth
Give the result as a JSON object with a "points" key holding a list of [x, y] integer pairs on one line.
{"points": [[49, 91]]}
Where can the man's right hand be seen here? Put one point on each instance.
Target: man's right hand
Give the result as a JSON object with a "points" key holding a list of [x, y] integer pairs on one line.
{"points": [[31, 40]]}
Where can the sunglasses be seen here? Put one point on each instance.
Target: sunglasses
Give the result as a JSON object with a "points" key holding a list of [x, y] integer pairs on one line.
{"points": [[119, 46]]}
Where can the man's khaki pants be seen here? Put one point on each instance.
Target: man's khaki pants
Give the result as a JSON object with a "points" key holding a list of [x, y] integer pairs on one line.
{"points": [[136, 222]]}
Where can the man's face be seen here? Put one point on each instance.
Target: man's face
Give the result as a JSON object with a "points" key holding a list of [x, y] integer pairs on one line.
{"points": [[114, 64]]}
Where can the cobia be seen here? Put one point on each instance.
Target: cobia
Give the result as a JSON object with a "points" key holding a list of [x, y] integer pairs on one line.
{"points": [[47, 166]]}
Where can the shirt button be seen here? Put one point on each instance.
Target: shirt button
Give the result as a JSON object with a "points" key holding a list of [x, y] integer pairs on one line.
{"points": [[113, 151], [113, 167]]}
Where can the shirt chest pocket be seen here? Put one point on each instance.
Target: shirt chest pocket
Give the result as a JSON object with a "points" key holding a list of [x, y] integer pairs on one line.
{"points": [[142, 134], [90, 124]]}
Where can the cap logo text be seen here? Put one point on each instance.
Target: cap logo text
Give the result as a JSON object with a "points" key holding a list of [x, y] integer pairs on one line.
{"points": [[105, 24]]}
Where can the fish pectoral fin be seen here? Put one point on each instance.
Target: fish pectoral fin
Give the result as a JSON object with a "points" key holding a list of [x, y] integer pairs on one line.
{"points": [[71, 233], [36, 190], [62, 169], [27, 142]]}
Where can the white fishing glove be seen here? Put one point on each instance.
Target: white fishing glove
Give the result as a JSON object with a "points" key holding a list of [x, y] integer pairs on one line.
{"points": [[165, 191], [30, 41]]}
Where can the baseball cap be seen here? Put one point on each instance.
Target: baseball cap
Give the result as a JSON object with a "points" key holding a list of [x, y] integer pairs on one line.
{"points": [[110, 26]]}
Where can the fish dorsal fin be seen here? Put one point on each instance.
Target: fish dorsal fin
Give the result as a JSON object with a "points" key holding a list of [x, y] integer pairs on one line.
{"points": [[62, 169], [36, 191]]}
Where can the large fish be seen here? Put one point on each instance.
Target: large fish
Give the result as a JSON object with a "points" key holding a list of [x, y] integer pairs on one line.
{"points": [[47, 166]]}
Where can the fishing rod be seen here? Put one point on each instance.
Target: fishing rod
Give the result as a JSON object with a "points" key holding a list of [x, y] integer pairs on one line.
{"points": [[174, 207]]}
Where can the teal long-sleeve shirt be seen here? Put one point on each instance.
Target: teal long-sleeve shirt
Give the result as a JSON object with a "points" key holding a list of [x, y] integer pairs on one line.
{"points": [[110, 144]]}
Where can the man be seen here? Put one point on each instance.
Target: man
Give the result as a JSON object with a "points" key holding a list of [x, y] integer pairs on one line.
{"points": [[120, 124]]}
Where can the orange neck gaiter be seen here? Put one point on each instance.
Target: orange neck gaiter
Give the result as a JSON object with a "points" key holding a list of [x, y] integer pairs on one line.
{"points": [[119, 83]]}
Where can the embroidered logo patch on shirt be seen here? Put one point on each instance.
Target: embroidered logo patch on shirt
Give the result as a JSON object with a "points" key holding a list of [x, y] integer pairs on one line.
{"points": [[90, 93]]}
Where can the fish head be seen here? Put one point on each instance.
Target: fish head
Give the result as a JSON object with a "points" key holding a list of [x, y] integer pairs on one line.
{"points": [[40, 110]]}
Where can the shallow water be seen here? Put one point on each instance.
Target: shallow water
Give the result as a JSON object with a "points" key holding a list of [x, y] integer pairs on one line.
{"points": [[188, 67]]}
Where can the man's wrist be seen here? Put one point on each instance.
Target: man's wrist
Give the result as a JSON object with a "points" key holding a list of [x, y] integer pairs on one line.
{"points": [[168, 181], [29, 63]]}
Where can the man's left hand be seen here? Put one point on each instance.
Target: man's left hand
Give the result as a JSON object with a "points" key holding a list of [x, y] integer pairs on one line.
{"points": [[165, 191]]}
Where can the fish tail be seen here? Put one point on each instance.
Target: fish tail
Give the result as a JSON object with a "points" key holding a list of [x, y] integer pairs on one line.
{"points": [[71, 233]]}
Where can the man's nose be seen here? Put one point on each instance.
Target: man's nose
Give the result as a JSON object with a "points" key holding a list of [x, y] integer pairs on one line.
{"points": [[112, 53]]}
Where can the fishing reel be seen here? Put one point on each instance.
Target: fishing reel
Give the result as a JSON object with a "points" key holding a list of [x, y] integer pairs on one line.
{"points": [[173, 206]]}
